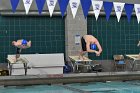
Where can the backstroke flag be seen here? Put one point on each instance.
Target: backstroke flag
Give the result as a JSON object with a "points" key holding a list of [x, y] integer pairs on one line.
{"points": [[97, 5], [129, 10], [85, 6], [108, 8], [51, 5], [63, 6], [137, 10], [74, 4], [27, 5], [40, 5], [14, 4], [118, 9]]}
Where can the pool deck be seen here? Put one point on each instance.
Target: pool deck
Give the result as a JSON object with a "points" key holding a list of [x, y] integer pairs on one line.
{"points": [[68, 78]]}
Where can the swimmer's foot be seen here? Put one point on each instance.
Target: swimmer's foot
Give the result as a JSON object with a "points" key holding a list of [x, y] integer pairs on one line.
{"points": [[14, 60], [85, 58], [81, 58]]}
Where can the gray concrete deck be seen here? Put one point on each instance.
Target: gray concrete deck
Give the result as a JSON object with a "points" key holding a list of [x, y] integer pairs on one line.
{"points": [[69, 78]]}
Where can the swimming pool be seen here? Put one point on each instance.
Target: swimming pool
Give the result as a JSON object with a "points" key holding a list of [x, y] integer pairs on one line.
{"points": [[35, 89], [93, 87], [110, 87]]}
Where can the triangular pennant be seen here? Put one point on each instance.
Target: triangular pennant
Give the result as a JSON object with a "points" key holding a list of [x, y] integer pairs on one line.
{"points": [[97, 5], [63, 6], [108, 8], [85, 6], [129, 10], [14, 4], [137, 10], [40, 5], [118, 9], [74, 4], [27, 5], [51, 5]]}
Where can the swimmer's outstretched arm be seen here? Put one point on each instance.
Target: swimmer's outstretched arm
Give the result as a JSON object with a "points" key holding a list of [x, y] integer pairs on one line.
{"points": [[29, 44]]}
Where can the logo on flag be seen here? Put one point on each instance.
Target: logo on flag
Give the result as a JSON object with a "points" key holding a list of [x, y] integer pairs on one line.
{"points": [[97, 6], [27, 2], [51, 3], [118, 9], [138, 10], [74, 5]]}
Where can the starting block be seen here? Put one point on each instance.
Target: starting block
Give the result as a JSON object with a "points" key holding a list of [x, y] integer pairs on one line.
{"points": [[77, 63]]}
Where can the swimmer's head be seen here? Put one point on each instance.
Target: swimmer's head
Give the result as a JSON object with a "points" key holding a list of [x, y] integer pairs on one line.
{"points": [[93, 46], [24, 42]]}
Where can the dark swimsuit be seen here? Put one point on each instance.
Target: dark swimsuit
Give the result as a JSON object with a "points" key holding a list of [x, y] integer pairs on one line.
{"points": [[83, 44], [18, 51]]}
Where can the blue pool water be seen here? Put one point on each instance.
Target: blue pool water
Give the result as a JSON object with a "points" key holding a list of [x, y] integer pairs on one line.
{"points": [[93, 87], [35, 89], [110, 87]]}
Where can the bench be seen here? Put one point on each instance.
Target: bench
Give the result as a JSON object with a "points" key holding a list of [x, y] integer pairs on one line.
{"points": [[37, 64]]}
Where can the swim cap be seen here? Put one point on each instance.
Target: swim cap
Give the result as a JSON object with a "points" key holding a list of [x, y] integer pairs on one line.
{"points": [[93, 46], [24, 42]]}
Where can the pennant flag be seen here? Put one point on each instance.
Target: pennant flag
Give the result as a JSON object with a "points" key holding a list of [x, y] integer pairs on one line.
{"points": [[118, 9], [97, 5], [108, 8], [85, 6], [74, 4], [137, 10], [40, 5], [129, 10], [14, 4], [27, 4], [63, 5], [51, 5]]}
